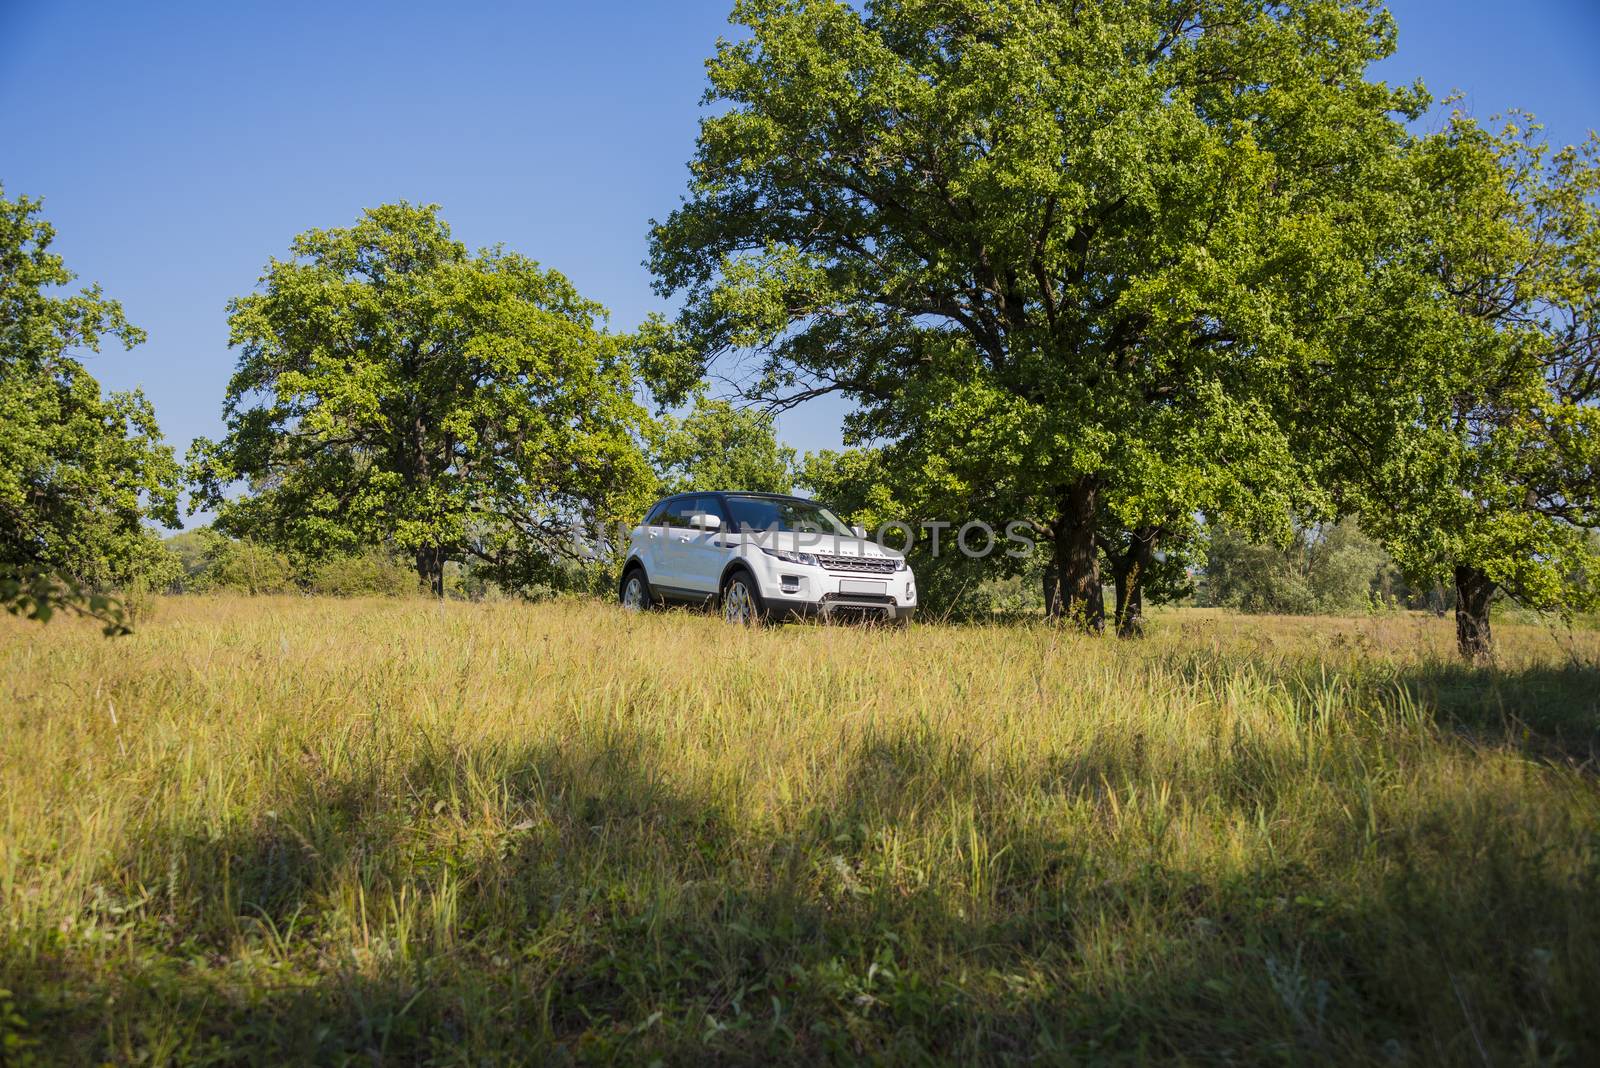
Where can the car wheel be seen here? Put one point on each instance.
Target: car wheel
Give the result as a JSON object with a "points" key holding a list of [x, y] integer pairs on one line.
{"points": [[635, 594], [740, 602]]}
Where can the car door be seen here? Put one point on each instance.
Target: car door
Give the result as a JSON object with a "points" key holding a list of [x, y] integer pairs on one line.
{"points": [[703, 551], [647, 537], [672, 547]]}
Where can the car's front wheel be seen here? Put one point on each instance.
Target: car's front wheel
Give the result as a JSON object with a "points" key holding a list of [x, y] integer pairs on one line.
{"points": [[741, 602], [635, 592]]}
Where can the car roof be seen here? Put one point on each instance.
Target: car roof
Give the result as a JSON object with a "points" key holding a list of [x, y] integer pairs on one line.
{"points": [[737, 493], [764, 496]]}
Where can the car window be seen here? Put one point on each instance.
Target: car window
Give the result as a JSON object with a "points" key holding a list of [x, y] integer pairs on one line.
{"points": [[707, 505], [654, 518], [677, 512], [756, 514]]}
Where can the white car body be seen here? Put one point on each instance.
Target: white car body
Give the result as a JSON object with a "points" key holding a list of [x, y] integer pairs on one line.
{"points": [[693, 548]]}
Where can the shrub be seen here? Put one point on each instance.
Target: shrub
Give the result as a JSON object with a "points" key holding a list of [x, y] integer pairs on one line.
{"points": [[244, 567], [188, 548], [374, 572], [1332, 569]]}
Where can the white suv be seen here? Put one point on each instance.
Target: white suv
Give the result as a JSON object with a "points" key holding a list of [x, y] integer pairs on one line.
{"points": [[762, 556]]}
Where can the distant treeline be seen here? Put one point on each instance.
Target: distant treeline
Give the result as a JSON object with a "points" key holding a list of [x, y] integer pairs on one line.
{"points": [[1333, 570]]}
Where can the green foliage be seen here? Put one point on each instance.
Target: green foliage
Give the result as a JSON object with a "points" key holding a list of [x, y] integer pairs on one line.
{"points": [[1461, 414], [38, 593], [80, 472], [242, 566], [857, 483], [1256, 577], [161, 570], [188, 549], [205, 560], [1050, 251], [374, 572], [1335, 570], [997, 598], [395, 389], [720, 447], [1351, 572]]}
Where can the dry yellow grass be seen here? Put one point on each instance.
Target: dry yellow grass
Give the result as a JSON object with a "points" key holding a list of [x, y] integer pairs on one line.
{"points": [[320, 830]]}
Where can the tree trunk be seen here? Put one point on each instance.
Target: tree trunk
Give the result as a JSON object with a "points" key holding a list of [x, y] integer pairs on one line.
{"points": [[1474, 590], [430, 569], [1072, 581], [1129, 572]]}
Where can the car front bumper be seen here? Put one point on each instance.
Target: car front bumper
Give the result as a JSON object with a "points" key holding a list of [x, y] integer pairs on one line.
{"points": [[840, 608], [791, 592]]}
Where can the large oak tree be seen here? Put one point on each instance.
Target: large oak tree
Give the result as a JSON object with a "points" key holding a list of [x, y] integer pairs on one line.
{"points": [[1460, 413], [80, 471], [1042, 245], [395, 389]]}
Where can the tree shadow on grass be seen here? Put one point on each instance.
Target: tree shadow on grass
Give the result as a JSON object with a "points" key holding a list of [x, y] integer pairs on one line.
{"points": [[1553, 710], [586, 904], [1550, 711]]}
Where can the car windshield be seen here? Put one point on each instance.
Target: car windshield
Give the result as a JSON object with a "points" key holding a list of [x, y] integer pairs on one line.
{"points": [[754, 515]]}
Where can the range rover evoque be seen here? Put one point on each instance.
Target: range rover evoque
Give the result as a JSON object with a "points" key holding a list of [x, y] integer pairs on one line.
{"points": [[760, 556]]}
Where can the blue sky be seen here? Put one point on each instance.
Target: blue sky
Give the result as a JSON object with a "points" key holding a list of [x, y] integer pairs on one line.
{"points": [[178, 146]]}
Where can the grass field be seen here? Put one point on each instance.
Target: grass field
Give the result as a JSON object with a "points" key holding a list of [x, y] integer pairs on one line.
{"points": [[397, 832]]}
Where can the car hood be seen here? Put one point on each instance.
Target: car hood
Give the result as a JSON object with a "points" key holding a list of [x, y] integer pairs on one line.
{"points": [[826, 544]]}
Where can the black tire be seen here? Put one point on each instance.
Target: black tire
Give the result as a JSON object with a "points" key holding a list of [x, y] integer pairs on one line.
{"points": [[740, 600], [637, 599]]}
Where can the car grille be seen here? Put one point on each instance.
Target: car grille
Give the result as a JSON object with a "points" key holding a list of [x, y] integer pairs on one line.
{"points": [[871, 565]]}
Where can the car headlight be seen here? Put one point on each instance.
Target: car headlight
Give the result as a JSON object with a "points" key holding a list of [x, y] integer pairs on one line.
{"points": [[901, 565], [791, 558]]}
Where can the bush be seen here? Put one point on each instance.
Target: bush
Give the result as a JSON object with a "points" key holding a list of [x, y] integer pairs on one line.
{"points": [[243, 567], [1252, 577], [1333, 569], [374, 572], [188, 548]]}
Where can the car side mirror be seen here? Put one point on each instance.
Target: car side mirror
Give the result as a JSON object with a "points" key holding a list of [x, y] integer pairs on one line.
{"points": [[860, 532], [705, 521]]}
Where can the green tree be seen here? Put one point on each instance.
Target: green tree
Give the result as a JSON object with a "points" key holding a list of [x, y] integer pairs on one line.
{"points": [[80, 472], [1333, 568], [1462, 418], [1042, 246], [720, 447], [1349, 571], [857, 483], [1256, 577], [373, 572], [1150, 560], [395, 389], [189, 548], [242, 566]]}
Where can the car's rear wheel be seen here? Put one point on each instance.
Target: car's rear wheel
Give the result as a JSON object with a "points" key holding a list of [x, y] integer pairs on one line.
{"points": [[635, 592], [741, 602]]}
